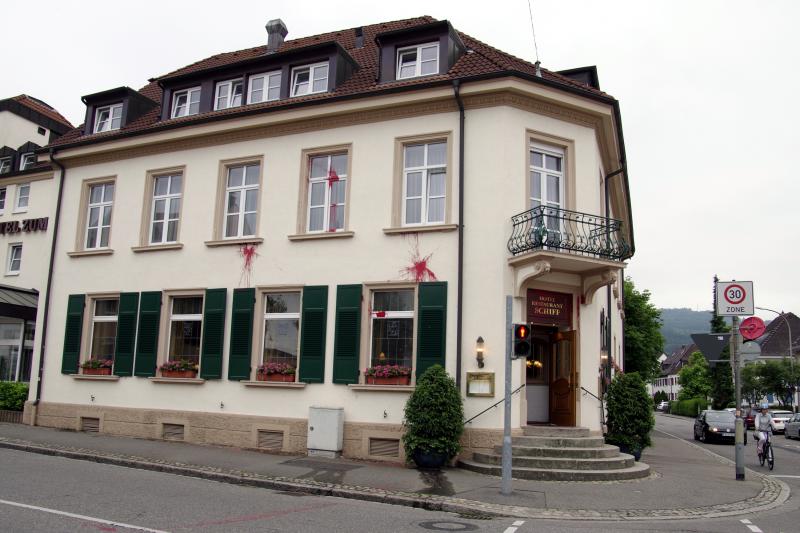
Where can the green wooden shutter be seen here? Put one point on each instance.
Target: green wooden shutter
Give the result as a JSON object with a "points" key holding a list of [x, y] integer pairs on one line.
{"points": [[241, 345], [347, 344], [213, 334], [72, 334], [126, 333], [312, 337], [432, 330], [147, 338]]}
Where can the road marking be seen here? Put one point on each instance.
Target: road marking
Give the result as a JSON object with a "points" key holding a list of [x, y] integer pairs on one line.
{"points": [[514, 526], [81, 517], [510, 530], [745, 521], [750, 526], [780, 475]]}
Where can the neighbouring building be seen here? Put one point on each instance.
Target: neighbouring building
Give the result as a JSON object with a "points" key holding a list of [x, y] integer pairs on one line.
{"points": [[27, 203], [667, 381], [326, 205]]}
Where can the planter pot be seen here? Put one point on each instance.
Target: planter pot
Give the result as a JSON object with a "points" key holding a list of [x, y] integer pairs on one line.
{"points": [[635, 452], [429, 460], [395, 380], [282, 378], [179, 374], [96, 371]]}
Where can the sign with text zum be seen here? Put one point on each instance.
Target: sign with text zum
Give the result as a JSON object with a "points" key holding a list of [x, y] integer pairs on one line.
{"points": [[549, 308], [735, 298], [28, 225]]}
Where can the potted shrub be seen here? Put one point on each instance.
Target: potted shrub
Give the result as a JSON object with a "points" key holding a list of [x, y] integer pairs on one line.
{"points": [[97, 367], [387, 375], [629, 415], [276, 372], [433, 420], [180, 368]]}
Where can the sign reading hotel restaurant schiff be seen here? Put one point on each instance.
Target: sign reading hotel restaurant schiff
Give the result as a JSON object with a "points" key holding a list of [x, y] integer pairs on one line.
{"points": [[549, 308], [28, 225]]}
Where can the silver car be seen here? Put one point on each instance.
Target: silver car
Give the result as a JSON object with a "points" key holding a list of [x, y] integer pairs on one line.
{"points": [[792, 427]]}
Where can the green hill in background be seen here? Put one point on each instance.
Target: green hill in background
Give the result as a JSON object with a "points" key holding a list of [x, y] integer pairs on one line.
{"points": [[678, 324]]}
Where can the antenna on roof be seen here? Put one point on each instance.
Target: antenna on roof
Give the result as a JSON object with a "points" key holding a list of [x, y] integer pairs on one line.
{"points": [[535, 46]]}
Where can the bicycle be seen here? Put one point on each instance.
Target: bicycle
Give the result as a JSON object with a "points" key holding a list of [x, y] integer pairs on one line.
{"points": [[766, 453]]}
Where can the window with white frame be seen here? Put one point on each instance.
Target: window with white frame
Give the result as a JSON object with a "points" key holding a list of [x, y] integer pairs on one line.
{"points": [[281, 328], [98, 217], [11, 367], [185, 328], [424, 183], [108, 118], [241, 200], [5, 165], [418, 60], [186, 102], [547, 182], [327, 187], [166, 209], [392, 324], [23, 197], [14, 258], [2, 199], [104, 329], [228, 94], [310, 79], [264, 87], [27, 160]]}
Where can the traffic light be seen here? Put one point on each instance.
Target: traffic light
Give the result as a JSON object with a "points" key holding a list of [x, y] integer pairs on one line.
{"points": [[522, 340]]}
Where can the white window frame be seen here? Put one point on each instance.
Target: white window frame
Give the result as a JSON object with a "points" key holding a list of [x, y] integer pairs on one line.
{"points": [[418, 62], [101, 205], [23, 194], [108, 124], [280, 316], [393, 314], [270, 80], [228, 99], [27, 160], [14, 257], [312, 69], [3, 198], [425, 198], [103, 318], [184, 318], [552, 151], [169, 199], [5, 165], [243, 188], [189, 93], [327, 200]]}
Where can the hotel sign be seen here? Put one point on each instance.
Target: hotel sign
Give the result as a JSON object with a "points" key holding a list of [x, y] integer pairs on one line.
{"points": [[549, 308], [28, 225]]}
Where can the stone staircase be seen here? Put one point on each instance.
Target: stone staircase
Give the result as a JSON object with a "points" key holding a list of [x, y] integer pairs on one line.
{"points": [[550, 453]]}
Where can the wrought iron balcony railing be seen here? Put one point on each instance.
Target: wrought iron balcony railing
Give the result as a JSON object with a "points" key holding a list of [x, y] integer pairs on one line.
{"points": [[553, 228]]}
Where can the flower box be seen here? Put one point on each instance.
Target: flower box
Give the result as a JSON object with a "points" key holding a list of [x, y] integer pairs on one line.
{"points": [[283, 378], [179, 374], [102, 371], [393, 380]]}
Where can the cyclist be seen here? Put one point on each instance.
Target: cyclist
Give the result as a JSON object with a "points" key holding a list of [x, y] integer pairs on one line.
{"points": [[763, 424]]}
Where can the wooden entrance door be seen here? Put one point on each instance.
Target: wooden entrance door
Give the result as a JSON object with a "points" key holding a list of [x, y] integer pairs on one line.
{"points": [[563, 380]]}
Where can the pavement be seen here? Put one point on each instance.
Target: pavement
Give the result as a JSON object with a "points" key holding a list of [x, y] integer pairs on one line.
{"points": [[687, 481]]}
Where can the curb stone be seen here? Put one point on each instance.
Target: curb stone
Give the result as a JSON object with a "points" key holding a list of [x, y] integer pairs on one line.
{"points": [[773, 492]]}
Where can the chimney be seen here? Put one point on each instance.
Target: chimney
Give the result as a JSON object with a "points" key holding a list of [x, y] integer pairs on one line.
{"points": [[360, 37], [276, 31]]}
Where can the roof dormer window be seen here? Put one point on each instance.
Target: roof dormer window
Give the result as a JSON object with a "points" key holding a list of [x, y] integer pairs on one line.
{"points": [[228, 94], [108, 118], [418, 60], [264, 87], [27, 160], [310, 79], [5, 165], [186, 102]]}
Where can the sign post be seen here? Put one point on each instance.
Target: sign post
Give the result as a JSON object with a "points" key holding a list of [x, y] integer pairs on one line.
{"points": [[505, 485]]}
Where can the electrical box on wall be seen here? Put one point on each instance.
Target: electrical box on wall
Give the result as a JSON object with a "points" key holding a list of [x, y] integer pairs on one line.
{"points": [[325, 431]]}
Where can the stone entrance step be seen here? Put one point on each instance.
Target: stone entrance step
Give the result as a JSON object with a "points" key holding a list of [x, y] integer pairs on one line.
{"points": [[607, 450], [637, 471], [558, 442], [555, 431], [620, 462]]}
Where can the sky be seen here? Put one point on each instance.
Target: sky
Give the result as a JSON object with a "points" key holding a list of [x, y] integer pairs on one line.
{"points": [[708, 93]]}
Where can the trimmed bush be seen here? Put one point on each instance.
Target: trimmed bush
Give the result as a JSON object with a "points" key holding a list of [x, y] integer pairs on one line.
{"points": [[434, 415], [13, 395], [659, 397], [630, 414], [688, 407]]}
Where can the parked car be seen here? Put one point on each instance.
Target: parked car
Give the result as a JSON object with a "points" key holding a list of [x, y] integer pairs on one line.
{"points": [[779, 419], [792, 427], [716, 425], [663, 406], [750, 418]]}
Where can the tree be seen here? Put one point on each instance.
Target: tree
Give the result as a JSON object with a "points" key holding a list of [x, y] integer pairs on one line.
{"points": [[777, 378], [752, 386], [643, 340], [629, 412], [721, 376], [659, 397], [694, 378]]}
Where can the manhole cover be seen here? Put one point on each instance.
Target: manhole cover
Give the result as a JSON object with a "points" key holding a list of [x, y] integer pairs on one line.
{"points": [[441, 525]]}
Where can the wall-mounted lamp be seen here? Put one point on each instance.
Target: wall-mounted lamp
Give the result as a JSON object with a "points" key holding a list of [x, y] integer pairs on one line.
{"points": [[479, 350]]}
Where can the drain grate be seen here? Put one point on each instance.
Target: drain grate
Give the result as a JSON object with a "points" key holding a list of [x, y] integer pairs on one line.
{"points": [[173, 432], [90, 425], [270, 440], [384, 447]]}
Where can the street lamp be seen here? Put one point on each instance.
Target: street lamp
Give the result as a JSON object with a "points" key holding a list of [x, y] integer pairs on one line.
{"points": [[791, 355]]}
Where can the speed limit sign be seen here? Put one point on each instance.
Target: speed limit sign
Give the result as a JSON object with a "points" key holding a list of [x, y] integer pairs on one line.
{"points": [[735, 298]]}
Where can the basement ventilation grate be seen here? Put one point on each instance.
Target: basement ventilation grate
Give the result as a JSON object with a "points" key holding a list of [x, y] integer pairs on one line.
{"points": [[270, 440], [90, 425], [173, 432], [384, 447]]}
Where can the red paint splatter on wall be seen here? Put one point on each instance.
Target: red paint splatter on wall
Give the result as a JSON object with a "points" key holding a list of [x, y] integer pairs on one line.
{"points": [[248, 254], [419, 270]]}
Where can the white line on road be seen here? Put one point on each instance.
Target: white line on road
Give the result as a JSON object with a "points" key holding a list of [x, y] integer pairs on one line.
{"points": [[754, 529], [784, 475], [745, 521], [510, 530], [81, 517]]}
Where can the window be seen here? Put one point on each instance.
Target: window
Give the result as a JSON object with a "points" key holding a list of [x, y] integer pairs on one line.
{"points": [[98, 227], [185, 325], [2, 199], [392, 340], [281, 328], [5, 165], [241, 200], [229, 94], [424, 183], [264, 87], [327, 185], [14, 258], [166, 209], [108, 118], [310, 79], [186, 102], [420, 60], [12, 367], [547, 183], [104, 329], [23, 197], [27, 160]]}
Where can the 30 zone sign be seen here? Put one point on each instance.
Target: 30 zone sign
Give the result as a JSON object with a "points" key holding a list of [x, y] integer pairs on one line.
{"points": [[735, 298]]}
